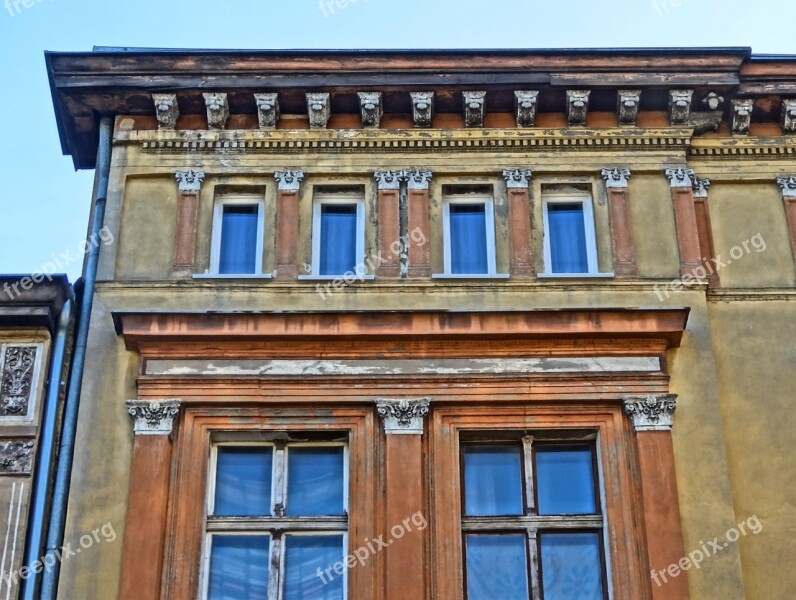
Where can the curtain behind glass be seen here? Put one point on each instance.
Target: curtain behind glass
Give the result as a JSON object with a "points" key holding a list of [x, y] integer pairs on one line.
{"points": [[238, 241], [567, 238], [468, 239], [338, 239]]}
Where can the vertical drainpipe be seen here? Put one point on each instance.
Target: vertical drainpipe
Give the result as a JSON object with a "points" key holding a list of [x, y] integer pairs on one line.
{"points": [[66, 452]]}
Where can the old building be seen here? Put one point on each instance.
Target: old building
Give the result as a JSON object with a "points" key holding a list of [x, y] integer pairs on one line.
{"points": [[415, 324]]}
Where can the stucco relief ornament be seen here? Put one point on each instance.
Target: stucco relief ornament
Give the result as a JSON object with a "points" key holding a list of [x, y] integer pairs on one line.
{"points": [[389, 180], [217, 109], [788, 186], [713, 101], [525, 103], [577, 107], [615, 177], [418, 179], [267, 110], [289, 180], [517, 178], [189, 182], [153, 417], [422, 108], [789, 115], [474, 108], [403, 417], [16, 457], [17, 380], [628, 102], [701, 187], [166, 110], [651, 413], [319, 109], [370, 105], [680, 106], [680, 177], [742, 115]]}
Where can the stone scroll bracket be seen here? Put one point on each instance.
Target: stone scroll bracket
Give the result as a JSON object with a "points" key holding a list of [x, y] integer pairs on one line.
{"points": [[652, 412], [403, 417], [154, 417]]}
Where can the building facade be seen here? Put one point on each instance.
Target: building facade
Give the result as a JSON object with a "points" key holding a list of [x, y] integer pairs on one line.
{"points": [[416, 324]]}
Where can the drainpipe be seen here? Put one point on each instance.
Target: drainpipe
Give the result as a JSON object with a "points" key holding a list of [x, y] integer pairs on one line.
{"points": [[63, 474], [46, 453]]}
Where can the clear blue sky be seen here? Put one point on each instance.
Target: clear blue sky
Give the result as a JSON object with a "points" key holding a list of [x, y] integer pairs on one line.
{"points": [[44, 204]]}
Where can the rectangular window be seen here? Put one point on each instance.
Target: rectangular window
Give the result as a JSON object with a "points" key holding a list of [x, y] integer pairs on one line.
{"points": [[277, 521], [532, 521], [469, 235], [238, 230], [338, 239], [570, 246]]}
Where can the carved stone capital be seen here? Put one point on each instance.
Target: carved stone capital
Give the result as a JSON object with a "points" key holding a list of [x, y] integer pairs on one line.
{"points": [[370, 105], [627, 105], [166, 110], [525, 103], [789, 115], [319, 109], [701, 187], [742, 115], [651, 413], [680, 177], [422, 108], [16, 380], [680, 106], [267, 110], [153, 417], [615, 177], [474, 108], [788, 186], [517, 179], [389, 180], [189, 182], [217, 109], [290, 180], [403, 417], [713, 101], [16, 457], [577, 107], [418, 179]]}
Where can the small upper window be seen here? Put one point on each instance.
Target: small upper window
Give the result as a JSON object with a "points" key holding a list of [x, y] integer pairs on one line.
{"points": [[469, 232], [569, 239], [338, 240], [238, 236]]}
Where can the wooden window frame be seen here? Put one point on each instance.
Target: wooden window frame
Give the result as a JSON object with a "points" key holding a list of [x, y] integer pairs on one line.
{"points": [[489, 218], [218, 218], [326, 198]]}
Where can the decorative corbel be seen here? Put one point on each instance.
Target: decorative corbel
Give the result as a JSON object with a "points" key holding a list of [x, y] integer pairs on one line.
{"points": [[628, 102], [217, 109], [166, 110], [403, 417], [789, 115], [680, 106], [319, 109], [474, 108], [370, 104], [153, 417], [422, 108], [577, 107], [525, 103], [267, 110], [742, 115], [713, 101], [651, 413]]}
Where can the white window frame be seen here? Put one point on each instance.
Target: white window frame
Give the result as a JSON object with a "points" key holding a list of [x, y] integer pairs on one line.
{"points": [[330, 198], [489, 218], [585, 200], [218, 216]]}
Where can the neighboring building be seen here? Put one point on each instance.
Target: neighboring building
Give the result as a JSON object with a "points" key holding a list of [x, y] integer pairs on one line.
{"points": [[434, 310], [35, 345]]}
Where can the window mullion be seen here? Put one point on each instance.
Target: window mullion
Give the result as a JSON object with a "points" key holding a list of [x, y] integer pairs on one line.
{"points": [[530, 492], [280, 479], [275, 567], [533, 555]]}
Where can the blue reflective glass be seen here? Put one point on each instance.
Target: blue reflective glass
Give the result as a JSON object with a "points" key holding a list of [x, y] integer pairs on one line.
{"points": [[497, 567], [565, 480], [315, 481], [571, 566], [309, 567], [338, 239], [238, 240], [239, 567], [243, 481], [492, 481], [567, 238], [468, 239]]}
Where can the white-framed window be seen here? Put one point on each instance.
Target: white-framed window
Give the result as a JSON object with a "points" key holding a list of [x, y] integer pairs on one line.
{"points": [[570, 245], [238, 231], [277, 521], [468, 222], [338, 235]]}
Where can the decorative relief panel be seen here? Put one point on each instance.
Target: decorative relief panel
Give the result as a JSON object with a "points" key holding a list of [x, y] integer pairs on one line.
{"points": [[17, 383], [16, 457]]}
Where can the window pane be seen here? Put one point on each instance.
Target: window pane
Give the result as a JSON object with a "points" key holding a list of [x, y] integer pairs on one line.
{"points": [[497, 567], [565, 480], [492, 481], [238, 240], [338, 239], [571, 566], [468, 239], [567, 238], [243, 481], [239, 567], [315, 481], [309, 567]]}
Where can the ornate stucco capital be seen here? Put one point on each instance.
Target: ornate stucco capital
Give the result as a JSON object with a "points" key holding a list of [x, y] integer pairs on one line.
{"points": [[517, 179], [680, 177], [153, 417], [788, 186], [701, 187], [615, 177], [166, 110], [290, 180], [651, 413], [189, 182], [389, 180], [419, 179], [404, 416]]}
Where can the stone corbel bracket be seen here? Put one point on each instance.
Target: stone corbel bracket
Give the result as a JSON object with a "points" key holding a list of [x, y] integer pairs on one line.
{"points": [[217, 109], [525, 103], [742, 115], [166, 110], [404, 416], [474, 108], [680, 107], [267, 110], [577, 107], [319, 109], [627, 105], [153, 417], [371, 107], [789, 115], [422, 109], [651, 413]]}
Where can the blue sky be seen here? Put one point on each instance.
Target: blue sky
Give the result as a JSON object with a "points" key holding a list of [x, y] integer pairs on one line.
{"points": [[44, 203]]}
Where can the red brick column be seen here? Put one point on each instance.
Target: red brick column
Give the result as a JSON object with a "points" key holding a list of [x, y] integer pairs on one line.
{"points": [[704, 229], [519, 215], [788, 186], [418, 223], [681, 182], [388, 211], [624, 248], [184, 259], [288, 197]]}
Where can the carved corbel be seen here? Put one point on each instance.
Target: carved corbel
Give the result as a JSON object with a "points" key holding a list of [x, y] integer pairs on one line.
{"points": [[789, 115], [166, 110], [422, 108], [577, 107], [680, 106], [742, 115], [267, 110], [319, 109], [525, 103], [474, 108], [217, 109], [628, 102], [651, 413], [370, 105]]}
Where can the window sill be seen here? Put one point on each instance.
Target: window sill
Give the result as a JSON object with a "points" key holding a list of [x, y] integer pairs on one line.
{"points": [[575, 275], [473, 276], [233, 276], [342, 277]]}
